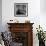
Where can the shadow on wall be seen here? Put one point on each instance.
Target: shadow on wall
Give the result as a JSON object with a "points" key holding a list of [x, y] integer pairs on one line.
{"points": [[43, 6], [0, 15]]}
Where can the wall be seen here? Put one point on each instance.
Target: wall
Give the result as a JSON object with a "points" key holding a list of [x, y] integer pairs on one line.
{"points": [[43, 6], [34, 15], [43, 14], [8, 11], [0, 15]]}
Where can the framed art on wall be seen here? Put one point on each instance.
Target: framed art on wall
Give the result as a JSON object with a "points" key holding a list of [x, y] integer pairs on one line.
{"points": [[20, 9]]}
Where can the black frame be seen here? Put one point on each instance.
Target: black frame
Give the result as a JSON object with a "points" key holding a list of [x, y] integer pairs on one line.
{"points": [[20, 9]]}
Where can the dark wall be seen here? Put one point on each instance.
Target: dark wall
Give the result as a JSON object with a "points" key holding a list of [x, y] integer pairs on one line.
{"points": [[0, 14]]}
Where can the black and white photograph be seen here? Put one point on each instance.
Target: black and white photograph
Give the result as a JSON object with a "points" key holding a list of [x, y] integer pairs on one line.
{"points": [[20, 9]]}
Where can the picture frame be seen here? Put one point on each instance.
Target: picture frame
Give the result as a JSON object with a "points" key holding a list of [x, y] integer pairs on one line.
{"points": [[20, 9]]}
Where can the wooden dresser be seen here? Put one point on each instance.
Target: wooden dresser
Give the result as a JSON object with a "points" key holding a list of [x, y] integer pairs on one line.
{"points": [[22, 33]]}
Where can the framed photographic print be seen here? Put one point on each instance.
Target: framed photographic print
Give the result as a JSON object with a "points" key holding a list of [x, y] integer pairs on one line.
{"points": [[20, 9]]}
